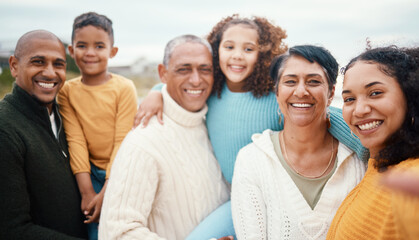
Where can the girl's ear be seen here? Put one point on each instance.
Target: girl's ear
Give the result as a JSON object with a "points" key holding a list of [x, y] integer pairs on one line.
{"points": [[114, 51]]}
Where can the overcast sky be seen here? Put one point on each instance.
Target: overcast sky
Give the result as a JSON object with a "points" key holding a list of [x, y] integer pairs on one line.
{"points": [[142, 28]]}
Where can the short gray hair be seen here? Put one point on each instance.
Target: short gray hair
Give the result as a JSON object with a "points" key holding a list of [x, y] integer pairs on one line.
{"points": [[172, 44]]}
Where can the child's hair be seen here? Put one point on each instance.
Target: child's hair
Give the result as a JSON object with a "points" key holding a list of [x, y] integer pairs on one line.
{"points": [[93, 19], [312, 54], [403, 65], [270, 45]]}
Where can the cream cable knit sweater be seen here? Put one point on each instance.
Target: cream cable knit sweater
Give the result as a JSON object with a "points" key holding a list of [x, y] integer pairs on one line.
{"points": [[266, 204], [164, 180]]}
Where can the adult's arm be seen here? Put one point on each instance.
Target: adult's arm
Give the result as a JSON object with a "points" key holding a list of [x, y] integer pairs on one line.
{"points": [[405, 201], [15, 218], [129, 196]]}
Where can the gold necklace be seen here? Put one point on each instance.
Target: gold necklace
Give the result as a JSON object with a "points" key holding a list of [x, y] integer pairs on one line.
{"points": [[295, 170]]}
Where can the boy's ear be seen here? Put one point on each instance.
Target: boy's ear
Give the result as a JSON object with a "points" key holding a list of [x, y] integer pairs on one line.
{"points": [[13, 64], [71, 50], [114, 51], [162, 73]]}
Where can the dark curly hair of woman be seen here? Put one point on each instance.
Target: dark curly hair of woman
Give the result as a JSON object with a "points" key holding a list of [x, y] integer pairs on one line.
{"points": [[270, 45], [401, 64]]}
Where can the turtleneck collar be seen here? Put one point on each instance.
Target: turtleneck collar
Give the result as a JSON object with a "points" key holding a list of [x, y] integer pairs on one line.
{"points": [[178, 114]]}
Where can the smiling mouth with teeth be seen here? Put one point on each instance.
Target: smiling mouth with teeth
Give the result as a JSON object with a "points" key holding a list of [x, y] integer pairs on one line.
{"points": [[194, 91], [370, 125], [46, 85], [301, 105]]}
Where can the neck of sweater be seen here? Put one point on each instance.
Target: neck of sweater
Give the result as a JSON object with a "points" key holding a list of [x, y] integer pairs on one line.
{"points": [[178, 114]]}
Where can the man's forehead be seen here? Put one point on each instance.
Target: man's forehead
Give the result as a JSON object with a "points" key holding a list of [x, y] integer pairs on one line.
{"points": [[43, 48], [193, 54]]}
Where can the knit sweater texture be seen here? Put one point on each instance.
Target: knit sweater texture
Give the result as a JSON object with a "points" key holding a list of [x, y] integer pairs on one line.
{"points": [[39, 198], [164, 180], [235, 117], [266, 203], [374, 212], [96, 120]]}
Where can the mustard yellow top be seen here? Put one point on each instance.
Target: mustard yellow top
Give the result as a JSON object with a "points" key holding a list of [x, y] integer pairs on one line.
{"points": [[96, 120], [371, 211]]}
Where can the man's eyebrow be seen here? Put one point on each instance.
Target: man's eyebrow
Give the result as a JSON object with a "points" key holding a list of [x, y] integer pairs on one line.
{"points": [[60, 60], [37, 57]]}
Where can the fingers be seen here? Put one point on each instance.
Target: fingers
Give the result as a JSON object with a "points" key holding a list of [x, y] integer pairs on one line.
{"points": [[138, 117], [146, 119], [160, 117], [94, 217]]}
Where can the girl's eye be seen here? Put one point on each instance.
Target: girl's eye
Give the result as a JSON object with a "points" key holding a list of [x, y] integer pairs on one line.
{"points": [[228, 47], [348, 99], [375, 93], [248, 49]]}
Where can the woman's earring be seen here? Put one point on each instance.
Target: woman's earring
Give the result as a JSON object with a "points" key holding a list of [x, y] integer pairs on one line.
{"points": [[279, 116], [413, 121], [328, 123]]}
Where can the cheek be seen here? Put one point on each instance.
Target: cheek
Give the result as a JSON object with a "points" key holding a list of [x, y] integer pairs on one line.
{"points": [[347, 113]]}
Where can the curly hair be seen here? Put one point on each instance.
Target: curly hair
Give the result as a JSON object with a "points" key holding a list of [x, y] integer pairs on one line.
{"points": [[270, 45], [403, 65]]}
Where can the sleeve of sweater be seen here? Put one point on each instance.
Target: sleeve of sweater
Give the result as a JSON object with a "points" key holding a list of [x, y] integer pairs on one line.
{"points": [[15, 217], [129, 195], [247, 204], [126, 109], [77, 144], [405, 208]]}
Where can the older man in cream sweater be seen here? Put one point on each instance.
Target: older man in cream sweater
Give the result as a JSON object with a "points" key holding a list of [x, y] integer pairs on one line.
{"points": [[165, 178]]}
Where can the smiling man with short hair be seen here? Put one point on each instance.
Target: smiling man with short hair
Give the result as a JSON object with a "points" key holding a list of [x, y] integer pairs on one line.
{"points": [[165, 178], [39, 197]]}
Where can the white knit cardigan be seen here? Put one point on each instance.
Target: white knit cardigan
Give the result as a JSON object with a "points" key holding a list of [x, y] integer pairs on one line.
{"points": [[164, 180], [266, 203]]}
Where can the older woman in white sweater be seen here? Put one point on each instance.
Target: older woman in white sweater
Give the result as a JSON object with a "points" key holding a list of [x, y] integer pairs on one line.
{"points": [[289, 184]]}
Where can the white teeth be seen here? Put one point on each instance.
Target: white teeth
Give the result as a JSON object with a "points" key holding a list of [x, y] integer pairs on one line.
{"points": [[194, 91], [237, 67], [46, 85], [369, 126], [301, 105]]}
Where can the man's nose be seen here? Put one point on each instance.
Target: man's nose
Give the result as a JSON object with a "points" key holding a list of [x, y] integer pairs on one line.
{"points": [[49, 71], [195, 77]]}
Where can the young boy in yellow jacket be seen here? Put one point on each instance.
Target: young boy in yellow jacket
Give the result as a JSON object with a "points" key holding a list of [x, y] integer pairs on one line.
{"points": [[98, 109]]}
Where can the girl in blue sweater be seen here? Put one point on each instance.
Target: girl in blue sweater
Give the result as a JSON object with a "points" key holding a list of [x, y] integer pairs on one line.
{"points": [[242, 102]]}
